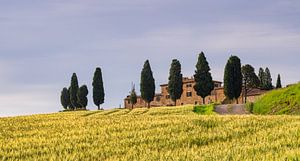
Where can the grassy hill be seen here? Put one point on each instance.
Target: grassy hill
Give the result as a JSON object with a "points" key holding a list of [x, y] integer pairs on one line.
{"points": [[167, 133], [281, 101]]}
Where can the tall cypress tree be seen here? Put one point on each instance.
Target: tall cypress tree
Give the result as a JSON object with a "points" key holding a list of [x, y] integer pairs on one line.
{"points": [[98, 89], [204, 83], [278, 83], [268, 79], [71, 107], [73, 91], [65, 98], [261, 76], [233, 78], [175, 81], [147, 84], [82, 96]]}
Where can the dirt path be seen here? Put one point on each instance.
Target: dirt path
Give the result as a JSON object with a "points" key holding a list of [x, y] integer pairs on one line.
{"points": [[239, 109]]}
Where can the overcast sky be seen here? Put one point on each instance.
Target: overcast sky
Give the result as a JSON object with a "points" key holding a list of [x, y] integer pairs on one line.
{"points": [[43, 42]]}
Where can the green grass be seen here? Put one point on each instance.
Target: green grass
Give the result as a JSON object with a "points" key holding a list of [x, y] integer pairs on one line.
{"points": [[204, 109], [165, 133], [281, 101]]}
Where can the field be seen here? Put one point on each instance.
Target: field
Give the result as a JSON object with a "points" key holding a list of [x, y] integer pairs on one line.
{"points": [[280, 101], [170, 133]]}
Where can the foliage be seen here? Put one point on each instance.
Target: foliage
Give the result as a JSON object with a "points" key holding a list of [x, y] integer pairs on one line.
{"points": [[70, 107], [147, 83], [261, 76], [233, 78], [204, 83], [175, 81], [167, 133], [133, 96], [278, 82], [250, 79], [82, 96], [280, 101], [268, 80], [73, 91], [65, 98], [98, 89], [204, 109]]}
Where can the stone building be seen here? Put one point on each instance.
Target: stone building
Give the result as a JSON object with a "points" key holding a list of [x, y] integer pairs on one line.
{"points": [[189, 96]]}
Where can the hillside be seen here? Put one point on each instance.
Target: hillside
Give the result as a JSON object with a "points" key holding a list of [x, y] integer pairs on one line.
{"points": [[281, 101], [166, 133]]}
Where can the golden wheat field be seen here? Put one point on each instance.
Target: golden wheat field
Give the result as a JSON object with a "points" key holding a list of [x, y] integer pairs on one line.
{"points": [[170, 133]]}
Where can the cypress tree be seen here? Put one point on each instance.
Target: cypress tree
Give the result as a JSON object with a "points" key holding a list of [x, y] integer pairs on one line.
{"points": [[98, 89], [71, 107], [65, 98], [204, 83], [268, 80], [261, 76], [82, 96], [250, 79], [147, 84], [233, 78], [278, 83], [133, 96], [175, 81], [73, 91]]}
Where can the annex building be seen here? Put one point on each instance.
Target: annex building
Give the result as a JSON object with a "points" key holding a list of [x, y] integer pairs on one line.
{"points": [[189, 96]]}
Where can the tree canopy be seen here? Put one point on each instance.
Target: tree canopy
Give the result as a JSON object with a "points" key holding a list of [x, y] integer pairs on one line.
{"points": [[233, 78], [147, 83], [175, 81], [98, 89], [204, 82]]}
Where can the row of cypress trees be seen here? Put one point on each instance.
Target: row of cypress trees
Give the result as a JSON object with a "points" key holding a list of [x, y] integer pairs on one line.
{"points": [[236, 77], [204, 82], [75, 97]]}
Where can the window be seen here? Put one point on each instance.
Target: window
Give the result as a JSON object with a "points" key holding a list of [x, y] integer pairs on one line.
{"points": [[189, 85], [196, 103], [157, 98], [167, 96], [128, 101], [217, 85], [189, 94]]}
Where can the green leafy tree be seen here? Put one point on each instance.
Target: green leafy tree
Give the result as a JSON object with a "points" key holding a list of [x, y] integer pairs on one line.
{"points": [[233, 78], [204, 83], [268, 79], [65, 98], [175, 81], [261, 76], [133, 96], [82, 96], [73, 91], [250, 79], [98, 89], [278, 82], [147, 84]]}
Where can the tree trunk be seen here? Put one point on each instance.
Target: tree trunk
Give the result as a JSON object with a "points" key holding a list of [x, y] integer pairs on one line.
{"points": [[203, 100], [148, 104], [98, 107], [132, 106], [175, 103], [237, 101]]}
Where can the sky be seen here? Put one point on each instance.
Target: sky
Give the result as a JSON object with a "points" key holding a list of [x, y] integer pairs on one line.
{"points": [[43, 42]]}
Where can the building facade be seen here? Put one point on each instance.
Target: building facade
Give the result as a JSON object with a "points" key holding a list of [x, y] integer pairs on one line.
{"points": [[189, 96]]}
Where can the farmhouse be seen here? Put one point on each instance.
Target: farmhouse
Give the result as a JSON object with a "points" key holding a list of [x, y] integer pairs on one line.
{"points": [[189, 96]]}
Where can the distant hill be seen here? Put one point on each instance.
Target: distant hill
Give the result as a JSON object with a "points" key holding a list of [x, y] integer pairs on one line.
{"points": [[281, 101]]}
